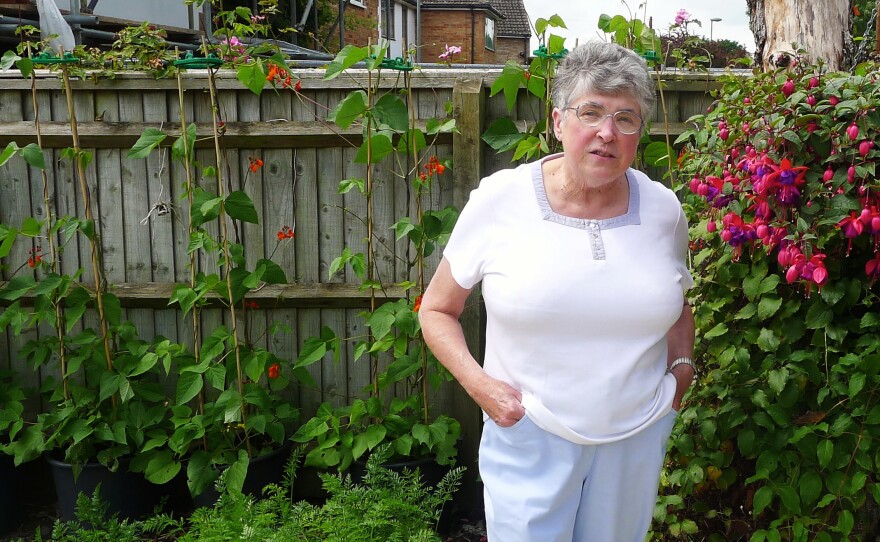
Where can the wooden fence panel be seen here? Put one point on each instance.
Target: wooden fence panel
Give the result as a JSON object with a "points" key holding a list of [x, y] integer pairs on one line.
{"points": [[304, 159]]}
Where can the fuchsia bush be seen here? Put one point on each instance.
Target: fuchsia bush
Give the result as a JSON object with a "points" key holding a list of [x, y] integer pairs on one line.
{"points": [[787, 164], [780, 437]]}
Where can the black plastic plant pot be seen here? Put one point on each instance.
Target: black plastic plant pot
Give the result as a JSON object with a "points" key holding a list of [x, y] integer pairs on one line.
{"points": [[127, 494], [262, 471]]}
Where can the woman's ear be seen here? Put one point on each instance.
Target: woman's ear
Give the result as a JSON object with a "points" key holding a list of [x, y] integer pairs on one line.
{"points": [[558, 118]]}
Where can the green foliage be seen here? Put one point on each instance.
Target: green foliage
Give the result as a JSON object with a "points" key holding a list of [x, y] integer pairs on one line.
{"points": [[387, 506], [779, 439], [93, 524], [396, 409]]}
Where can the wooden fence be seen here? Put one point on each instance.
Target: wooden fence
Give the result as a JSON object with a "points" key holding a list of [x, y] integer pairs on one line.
{"points": [[305, 158]]}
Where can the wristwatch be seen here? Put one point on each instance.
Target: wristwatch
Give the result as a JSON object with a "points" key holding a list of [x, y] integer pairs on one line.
{"points": [[682, 361]]}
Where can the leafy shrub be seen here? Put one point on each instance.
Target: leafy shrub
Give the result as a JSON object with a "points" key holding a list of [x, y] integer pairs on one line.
{"points": [[780, 439]]}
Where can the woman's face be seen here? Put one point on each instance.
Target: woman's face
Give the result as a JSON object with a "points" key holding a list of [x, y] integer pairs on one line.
{"points": [[599, 154]]}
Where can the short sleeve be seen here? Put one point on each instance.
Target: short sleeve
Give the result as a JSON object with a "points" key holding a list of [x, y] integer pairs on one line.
{"points": [[469, 244], [681, 250]]}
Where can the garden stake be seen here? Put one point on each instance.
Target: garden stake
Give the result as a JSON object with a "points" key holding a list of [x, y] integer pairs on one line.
{"points": [[420, 259], [374, 358], [100, 285], [53, 253], [187, 166], [224, 232]]}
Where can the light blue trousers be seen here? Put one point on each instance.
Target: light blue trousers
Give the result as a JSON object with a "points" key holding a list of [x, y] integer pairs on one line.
{"points": [[542, 488]]}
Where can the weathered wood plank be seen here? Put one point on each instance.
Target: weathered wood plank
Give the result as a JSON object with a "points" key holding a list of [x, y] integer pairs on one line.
{"points": [[135, 194], [332, 232], [116, 134], [159, 225], [17, 181]]}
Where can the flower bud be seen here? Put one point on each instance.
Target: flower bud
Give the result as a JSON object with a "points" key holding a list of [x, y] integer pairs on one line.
{"points": [[853, 131], [828, 175]]}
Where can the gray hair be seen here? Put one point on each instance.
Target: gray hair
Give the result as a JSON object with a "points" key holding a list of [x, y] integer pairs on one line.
{"points": [[607, 69]]}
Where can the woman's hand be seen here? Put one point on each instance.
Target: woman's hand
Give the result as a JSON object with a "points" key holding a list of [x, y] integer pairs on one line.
{"points": [[501, 401], [684, 376]]}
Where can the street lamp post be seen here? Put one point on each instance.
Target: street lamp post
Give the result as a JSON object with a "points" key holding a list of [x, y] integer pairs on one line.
{"points": [[712, 22]]}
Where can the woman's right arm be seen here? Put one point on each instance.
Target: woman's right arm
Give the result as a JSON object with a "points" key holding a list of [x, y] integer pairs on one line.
{"points": [[439, 313]]}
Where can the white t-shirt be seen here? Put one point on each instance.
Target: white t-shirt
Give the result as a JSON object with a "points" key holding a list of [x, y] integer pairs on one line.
{"points": [[577, 310]]}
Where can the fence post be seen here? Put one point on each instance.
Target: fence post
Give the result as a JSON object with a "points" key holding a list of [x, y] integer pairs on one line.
{"points": [[468, 99]]}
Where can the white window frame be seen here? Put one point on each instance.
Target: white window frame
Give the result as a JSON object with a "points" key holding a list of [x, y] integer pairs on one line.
{"points": [[487, 38]]}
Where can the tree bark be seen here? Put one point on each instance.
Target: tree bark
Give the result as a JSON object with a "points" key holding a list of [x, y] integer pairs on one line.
{"points": [[821, 28]]}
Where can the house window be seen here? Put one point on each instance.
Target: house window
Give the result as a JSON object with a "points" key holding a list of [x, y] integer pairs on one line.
{"points": [[358, 3], [490, 33], [388, 19]]}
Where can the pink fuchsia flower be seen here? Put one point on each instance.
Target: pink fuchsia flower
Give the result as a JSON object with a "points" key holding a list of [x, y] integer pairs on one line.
{"points": [[785, 180], [682, 17], [852, 227], [872, 268]]}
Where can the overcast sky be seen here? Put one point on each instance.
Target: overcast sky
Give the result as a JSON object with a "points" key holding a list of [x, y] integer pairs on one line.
{"points": [[582, 17]]}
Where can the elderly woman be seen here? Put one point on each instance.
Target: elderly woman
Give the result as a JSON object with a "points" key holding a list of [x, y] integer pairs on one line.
{"points": [[589, 336]]}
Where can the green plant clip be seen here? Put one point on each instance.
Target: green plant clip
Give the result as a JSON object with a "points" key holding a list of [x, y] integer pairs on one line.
{"points": [[198, 62], [541, 52], [396, 63], [650, 55], [48, 58]]}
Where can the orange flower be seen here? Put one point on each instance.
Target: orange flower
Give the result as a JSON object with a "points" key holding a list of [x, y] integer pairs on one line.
{"points": [[274, 370], [298, 86], [418, 304], [36, 256], [285, 233], [255, 164], [856, 11]]}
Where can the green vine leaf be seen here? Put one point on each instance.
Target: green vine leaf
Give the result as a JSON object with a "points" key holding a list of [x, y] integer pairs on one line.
{"points": [[350, 109], [253, 76], [188, 386], [658, 153], [271, 272], [8, 152], [184, 145], [390, 113], [240, 206], [503, 135], [8, 60], [33, 155], [509, 83], [375, 149], [149, 140], [347, 57]]}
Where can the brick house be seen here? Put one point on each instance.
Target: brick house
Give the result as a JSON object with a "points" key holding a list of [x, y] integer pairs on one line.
{"points": [[488, 31]]}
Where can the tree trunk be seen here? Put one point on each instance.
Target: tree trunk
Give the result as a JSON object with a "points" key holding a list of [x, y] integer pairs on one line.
{"points": [[821, 28]]}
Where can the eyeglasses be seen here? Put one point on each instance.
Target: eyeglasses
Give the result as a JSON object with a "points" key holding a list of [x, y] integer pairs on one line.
{"points": [[591, 114]]}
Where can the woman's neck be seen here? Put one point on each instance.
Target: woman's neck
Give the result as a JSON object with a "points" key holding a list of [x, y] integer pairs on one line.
{"points": [[584, 198]]}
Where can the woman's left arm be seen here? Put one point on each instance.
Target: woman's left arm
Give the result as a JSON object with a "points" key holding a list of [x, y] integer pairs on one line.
{"points": [[681, 345]]}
